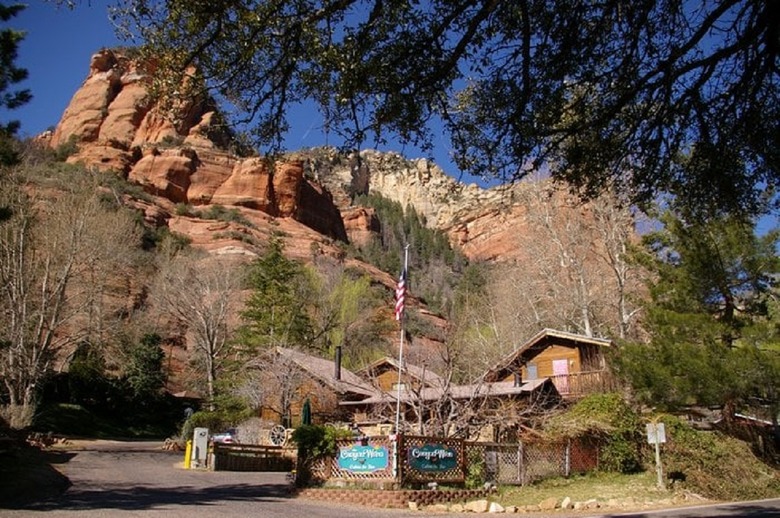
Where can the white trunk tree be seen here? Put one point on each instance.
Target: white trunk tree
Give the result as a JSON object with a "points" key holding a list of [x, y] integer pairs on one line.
{"points": [[201, 295], [63, 255]]}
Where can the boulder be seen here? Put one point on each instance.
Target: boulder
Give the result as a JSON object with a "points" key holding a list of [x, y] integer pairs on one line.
{"points": [[548, 504], [249, 185], [477, 506], [166, 174], [495, 507]]}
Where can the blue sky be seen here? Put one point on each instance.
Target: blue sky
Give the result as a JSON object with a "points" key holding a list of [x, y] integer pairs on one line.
{"points": [[56, 52]]}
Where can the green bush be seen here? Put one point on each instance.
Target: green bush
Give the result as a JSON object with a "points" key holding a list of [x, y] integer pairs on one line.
{"points": [[609, 418], [315, 441], [185, 209], [475, 473], [214, 421], [221, 213], [66, 149], [713, 464], [117, 185], [171, 141]]}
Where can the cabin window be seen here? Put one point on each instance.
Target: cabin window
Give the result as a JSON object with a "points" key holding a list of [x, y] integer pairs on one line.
{"points": [[532, 371]]}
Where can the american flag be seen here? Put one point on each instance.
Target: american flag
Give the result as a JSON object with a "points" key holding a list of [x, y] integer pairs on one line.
{"points": [[400, 295]]}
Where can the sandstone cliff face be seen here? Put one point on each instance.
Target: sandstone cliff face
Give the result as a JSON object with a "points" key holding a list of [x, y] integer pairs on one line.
{"points": [[486, 224], [116, 127], [308, 196], [186, 172]]}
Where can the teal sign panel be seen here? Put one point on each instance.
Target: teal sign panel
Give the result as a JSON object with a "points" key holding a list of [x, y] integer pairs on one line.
{"points": [[432, 457], [363, 459]]}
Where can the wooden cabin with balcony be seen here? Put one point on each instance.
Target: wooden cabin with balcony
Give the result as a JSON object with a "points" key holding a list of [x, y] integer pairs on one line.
{"points": [[574, 363]]}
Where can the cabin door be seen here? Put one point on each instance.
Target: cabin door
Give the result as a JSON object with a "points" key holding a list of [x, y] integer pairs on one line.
{"points": [[561, 375]]}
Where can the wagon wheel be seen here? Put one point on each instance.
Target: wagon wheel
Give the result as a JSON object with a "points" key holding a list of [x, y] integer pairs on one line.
{"points": [[278, 435]]}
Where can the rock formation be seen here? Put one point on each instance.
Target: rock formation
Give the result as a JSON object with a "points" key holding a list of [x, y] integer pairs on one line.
{"points": [[115, 126], [187, 169], [485, 224]]}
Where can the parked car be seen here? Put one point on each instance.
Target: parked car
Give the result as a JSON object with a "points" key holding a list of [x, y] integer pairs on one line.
{"points": [[226, 437]]}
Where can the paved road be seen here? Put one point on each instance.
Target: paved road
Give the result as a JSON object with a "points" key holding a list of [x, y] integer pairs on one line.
{"points": [[133, 479], [756, 509], [117, 479]]}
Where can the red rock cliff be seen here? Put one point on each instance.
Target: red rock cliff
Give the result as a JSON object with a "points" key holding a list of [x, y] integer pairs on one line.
{"points": [[115, 126]]}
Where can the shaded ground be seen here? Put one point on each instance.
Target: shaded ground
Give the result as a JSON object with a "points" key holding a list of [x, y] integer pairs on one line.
{"points": [[112, 479], [29, 475]]}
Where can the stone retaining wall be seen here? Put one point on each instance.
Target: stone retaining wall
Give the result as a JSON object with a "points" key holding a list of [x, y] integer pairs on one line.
{"points": [[397, 499]]}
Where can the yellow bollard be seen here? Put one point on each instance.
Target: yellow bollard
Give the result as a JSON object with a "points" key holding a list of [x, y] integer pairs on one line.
{"points": [[188, 455]]}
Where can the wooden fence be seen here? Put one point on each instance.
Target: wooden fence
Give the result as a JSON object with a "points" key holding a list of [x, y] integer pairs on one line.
{"points": [[578, 384], [251, 457], [339, 467]]}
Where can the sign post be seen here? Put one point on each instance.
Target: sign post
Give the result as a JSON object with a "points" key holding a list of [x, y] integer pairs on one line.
{"points": [[200, 447], [656, 434]]}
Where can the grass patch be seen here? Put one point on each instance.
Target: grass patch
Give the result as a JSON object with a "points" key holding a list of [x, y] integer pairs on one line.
{"points": [[599, 486]]}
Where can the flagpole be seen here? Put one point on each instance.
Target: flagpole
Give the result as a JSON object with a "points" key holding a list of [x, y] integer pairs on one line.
{"points": [[401, 352], [400, 317]]}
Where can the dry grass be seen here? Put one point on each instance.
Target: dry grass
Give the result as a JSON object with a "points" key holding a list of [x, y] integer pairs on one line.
{"points": [[603, 487]]}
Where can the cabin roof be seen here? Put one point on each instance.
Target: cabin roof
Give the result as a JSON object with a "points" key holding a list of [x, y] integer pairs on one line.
{"points": [[477, 390], [537, 341], [324, 370], [423, 374]]}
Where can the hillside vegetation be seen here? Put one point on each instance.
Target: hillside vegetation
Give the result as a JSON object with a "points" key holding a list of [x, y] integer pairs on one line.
{"points": [[105, 366]]}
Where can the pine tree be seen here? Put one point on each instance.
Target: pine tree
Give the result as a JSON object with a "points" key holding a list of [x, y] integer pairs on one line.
{"points": [[714, 334], [10, 74], [145, 373], [275, 313]]}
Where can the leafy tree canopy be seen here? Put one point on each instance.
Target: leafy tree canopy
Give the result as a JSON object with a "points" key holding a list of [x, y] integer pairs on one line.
{"points": [[712, 315], [605, 94]]}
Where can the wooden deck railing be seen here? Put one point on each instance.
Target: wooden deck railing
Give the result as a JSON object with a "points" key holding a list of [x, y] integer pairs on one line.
{"points": [[583, 383]]}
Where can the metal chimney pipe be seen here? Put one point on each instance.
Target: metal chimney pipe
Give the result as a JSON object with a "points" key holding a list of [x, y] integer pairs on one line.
{"points": [[337, 362]]}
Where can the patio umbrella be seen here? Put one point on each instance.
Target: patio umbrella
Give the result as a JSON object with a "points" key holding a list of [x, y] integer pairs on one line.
{"points": [[306, 412]]}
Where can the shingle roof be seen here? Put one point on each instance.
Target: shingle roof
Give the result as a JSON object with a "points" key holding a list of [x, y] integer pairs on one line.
{"points": [[480, 390], [417, 372], [324, 371]]}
